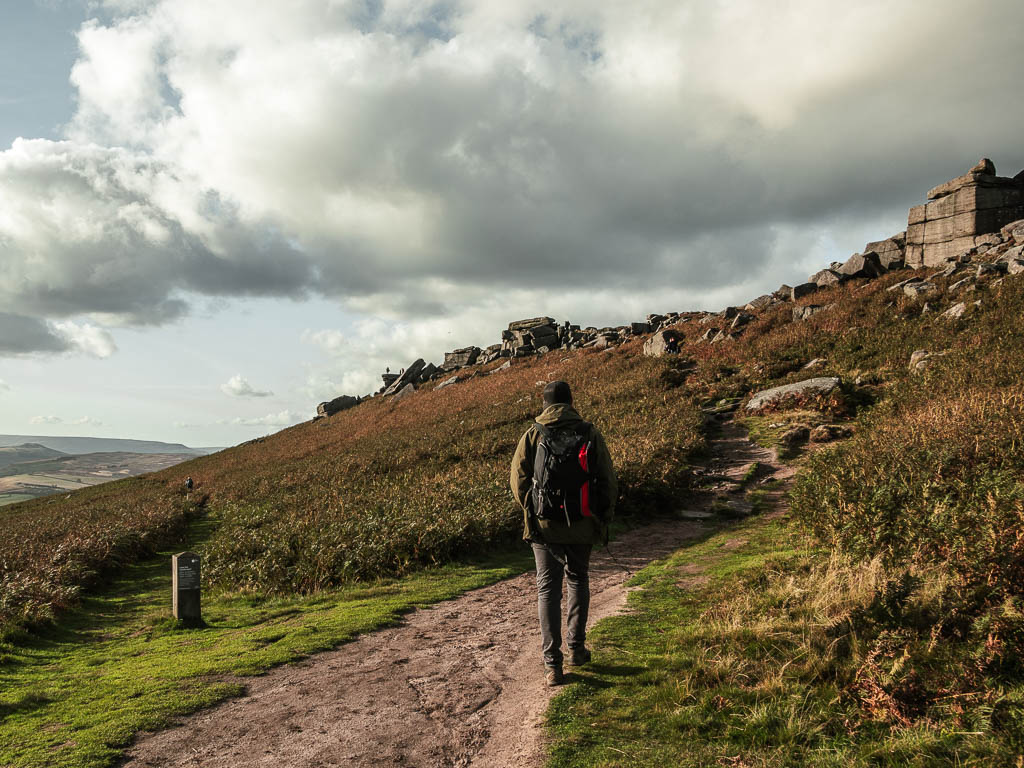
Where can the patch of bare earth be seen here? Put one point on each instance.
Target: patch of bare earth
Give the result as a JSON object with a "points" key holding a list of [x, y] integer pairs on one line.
{"points": [[457, 684]]}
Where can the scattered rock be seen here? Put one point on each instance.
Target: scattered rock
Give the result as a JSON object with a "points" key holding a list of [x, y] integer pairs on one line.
{"points": [[741, 320], [826, 433], [794, 435], [503, 367], [965, 284], [449, 382], [799, 291], [1015, 266], [403, 393], [990, 270], [919, 360], [919, 290], [665, 342], [804, 312], [817, 362], [1015, 230], [803, 389], [954, 313], [909, 281]]}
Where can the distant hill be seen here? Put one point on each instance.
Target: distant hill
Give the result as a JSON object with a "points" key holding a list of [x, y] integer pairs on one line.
{"points": [[16, 454], [81, 445], [43, 472]]}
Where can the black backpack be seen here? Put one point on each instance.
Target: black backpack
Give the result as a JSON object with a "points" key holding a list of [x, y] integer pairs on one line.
{"points": [[562, 480]]}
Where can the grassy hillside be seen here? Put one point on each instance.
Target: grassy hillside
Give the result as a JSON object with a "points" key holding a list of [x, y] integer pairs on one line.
{"points": [[17, 454], [884, 623], [377, 490], [890, 605]]}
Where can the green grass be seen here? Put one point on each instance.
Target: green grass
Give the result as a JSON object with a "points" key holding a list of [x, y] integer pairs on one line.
{"points": [[740, 651], [75, 694]]}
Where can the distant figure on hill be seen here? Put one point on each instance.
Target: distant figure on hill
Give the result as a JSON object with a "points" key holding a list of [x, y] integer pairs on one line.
{"points": [[562, 477], [188, 483]]}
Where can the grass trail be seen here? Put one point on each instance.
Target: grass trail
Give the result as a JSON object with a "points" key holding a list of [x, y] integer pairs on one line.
{"points": [[75, 694]]}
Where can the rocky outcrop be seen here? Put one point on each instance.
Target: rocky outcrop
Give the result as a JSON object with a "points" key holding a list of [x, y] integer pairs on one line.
{"points": [[862, 265], [409, 376], [460, 358], [960, 213], [891, 251], [973, 224], [338, 404]]}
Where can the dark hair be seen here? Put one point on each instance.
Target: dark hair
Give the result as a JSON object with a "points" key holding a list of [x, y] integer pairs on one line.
{"points": [[557, 392]]}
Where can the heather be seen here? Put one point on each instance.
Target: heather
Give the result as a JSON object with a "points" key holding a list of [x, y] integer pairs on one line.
{"points": [[376, 491]]}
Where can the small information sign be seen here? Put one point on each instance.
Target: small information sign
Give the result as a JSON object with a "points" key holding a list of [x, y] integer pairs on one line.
{"points": [[185, 575]]}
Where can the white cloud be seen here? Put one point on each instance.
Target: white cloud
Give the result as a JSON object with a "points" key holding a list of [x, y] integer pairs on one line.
{"points": [[238, 386], [282, 419], [361, 150], [46, 420], [87, 421], [4, 386], [330, 341], [90, 339]]}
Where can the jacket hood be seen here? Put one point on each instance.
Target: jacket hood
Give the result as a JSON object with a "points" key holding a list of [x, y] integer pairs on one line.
{"points": [[559, 415]]}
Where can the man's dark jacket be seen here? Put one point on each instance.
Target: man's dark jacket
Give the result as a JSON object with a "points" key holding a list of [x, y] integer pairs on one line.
{"points": [[604, 491]]}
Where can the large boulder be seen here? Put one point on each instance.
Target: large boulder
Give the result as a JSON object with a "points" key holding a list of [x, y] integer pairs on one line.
{"points": [[664, 342], [403, 393], [408, 376], [460, 358], [826, 278], [1014, 230], [891, 251], [822, 385], [862, 265], [428, 370], [544, 336], [761, 302], [337, 405], [533, 322], [804, 289]]}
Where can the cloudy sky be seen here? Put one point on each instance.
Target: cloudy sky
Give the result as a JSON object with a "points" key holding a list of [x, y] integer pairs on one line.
{"points": [[213, 218]]}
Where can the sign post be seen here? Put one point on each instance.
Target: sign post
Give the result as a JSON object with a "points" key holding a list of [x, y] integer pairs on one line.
{"points": [[185, 588]]}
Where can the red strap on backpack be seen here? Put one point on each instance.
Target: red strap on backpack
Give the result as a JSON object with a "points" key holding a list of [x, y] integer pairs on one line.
{"points": [[585, 488]]}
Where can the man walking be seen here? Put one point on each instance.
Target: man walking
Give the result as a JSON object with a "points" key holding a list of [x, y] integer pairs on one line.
{"points": [[562, 477]]}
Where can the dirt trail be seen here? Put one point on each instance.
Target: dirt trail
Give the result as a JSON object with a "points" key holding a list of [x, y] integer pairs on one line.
{"points": [[457, 684]]}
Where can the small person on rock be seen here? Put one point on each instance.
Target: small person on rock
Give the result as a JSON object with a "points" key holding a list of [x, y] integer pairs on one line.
{"points": [[563, 478], [188, 483]]}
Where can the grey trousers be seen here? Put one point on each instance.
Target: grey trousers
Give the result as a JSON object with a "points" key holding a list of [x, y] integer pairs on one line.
{"points": [[554, 560]]}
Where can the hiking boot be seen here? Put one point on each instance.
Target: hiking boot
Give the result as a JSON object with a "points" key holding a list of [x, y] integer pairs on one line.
{"points": [[579, 657], [554, 676]]}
